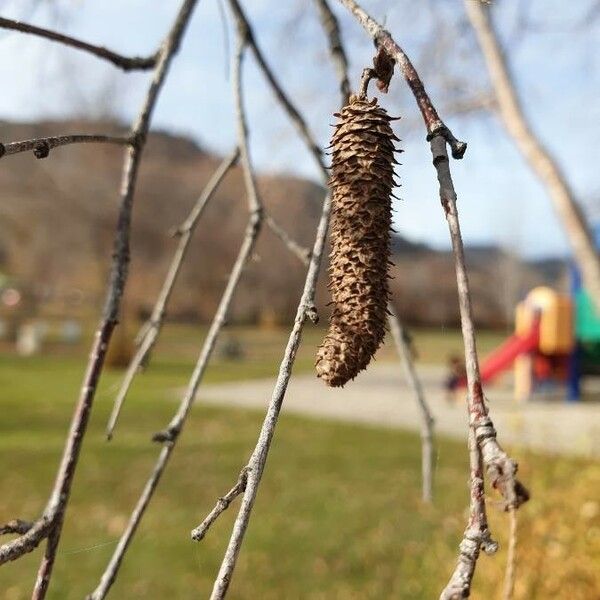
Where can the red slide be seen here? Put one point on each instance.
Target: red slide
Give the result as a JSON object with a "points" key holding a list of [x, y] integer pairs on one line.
{"points": [[503, 357]]}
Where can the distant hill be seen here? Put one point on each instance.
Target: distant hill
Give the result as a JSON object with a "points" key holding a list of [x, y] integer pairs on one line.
{"points": [[57, 219]]}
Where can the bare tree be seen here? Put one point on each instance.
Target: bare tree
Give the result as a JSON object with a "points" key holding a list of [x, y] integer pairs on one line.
{"points": [[484, 451]]}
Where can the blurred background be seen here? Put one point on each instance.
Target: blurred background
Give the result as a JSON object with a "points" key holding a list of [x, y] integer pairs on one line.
{"points": [[356, 527]]}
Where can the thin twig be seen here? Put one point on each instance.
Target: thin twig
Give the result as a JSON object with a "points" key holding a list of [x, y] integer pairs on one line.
{"points": [[127, 63], [41, 146], [511, 557], [150, 331], [303, 254], [50, 523], [15, 526], [293, 113], [258, 459], [306, 309], [221, 506], [427, 421], [384, 40], [336, 48], [170, 434]]}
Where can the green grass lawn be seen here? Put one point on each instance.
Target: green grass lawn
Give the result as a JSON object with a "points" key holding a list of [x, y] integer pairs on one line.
{"points": [[338, 516]]}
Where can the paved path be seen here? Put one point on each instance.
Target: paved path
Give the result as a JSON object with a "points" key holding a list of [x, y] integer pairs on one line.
{"points": [[380, 396]]}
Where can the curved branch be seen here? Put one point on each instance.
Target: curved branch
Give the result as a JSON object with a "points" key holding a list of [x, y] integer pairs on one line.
{"points": [[383, 40], [127, 63]]}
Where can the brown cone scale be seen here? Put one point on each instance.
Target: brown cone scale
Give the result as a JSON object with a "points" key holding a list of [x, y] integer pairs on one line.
{"points": [[361, 184]]}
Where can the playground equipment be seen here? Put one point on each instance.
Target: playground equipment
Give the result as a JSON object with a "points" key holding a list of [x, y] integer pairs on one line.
{"points": [[556, 340]]}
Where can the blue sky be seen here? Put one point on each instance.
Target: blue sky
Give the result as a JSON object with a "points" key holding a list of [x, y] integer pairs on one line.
{"points": [[499, 200]]}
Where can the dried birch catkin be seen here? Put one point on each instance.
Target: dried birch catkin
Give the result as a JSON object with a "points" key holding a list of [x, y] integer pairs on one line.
{"points": [[362, 178]]}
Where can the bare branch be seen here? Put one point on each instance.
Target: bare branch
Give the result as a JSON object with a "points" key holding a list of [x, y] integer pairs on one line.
{"points": [[477, 535], [427, 421], [258, 459], [500, 468], [484, 448], [221, 506], [41, 146], [15, 526], [126, 63], [537, 156], [151, 330], [384, 40], [511, 557], [170, 434], [303, 254], [293, 113], [338, 54], [50, 523]]}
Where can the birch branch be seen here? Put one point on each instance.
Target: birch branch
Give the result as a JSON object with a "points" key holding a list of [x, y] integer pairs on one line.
{"points": [[301, 253], [293, 113], [484, 447], [258, 459], [170, 434], [535, 153], [41, 146], [336, 48], [384, 40], [49, 525], [427, 421], [126, 63], [151, 330]]}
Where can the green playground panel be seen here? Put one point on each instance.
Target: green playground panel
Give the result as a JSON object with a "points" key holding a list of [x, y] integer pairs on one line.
{"points": [[587, 320]]}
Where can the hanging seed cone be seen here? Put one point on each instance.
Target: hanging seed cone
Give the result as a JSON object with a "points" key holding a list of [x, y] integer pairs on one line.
{"points": [[361, 185]]}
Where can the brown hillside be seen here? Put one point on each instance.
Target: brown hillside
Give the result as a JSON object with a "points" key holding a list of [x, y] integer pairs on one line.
{"points": [[58, 215]]}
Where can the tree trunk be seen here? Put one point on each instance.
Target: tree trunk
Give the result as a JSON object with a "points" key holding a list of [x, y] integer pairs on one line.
{"points": [[537, 156]]}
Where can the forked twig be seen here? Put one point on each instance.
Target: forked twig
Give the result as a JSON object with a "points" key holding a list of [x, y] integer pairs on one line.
{"points": [[427, 421], [151, 330], [293, 113], [49, 525], [221, 506], [127, 63], [170, 434]]}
